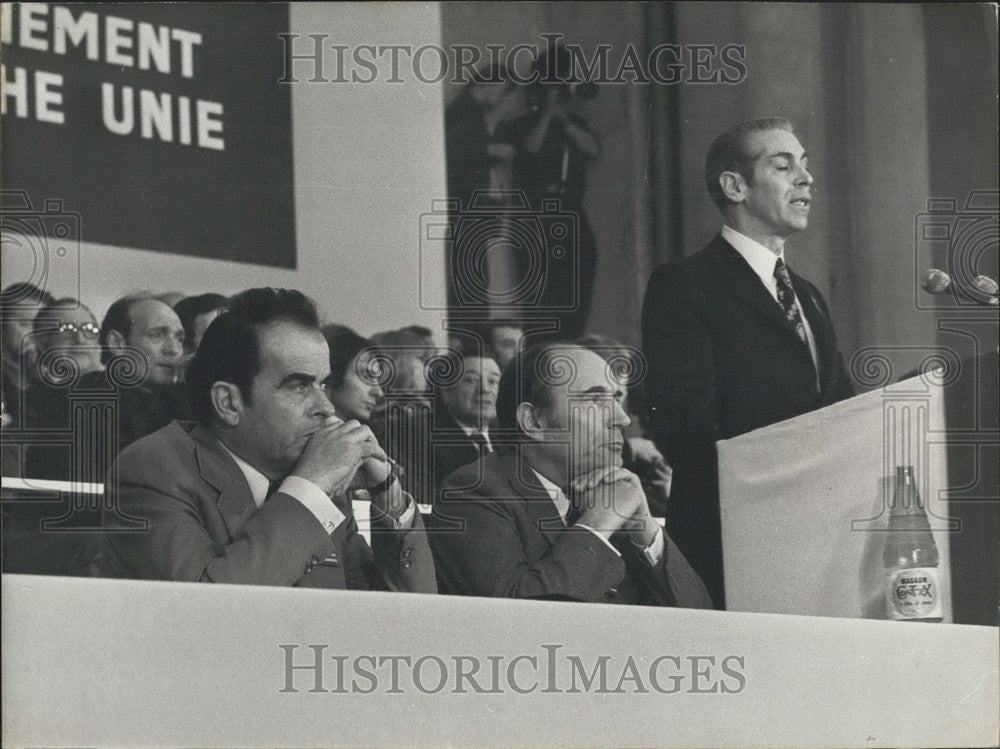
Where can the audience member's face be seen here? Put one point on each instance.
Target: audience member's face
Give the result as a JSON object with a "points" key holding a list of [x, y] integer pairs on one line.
{"points": [[75, 337], [358, 395], [506, 340], [472, 401], [589, 409], [157, 332], [410, 374], [778, 200], [201, 323], [288, 402], [17, 326]]}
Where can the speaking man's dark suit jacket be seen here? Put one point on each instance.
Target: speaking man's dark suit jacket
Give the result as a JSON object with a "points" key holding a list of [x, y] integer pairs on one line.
{"points": [[204, 526], [498, 533], [724, 360]]}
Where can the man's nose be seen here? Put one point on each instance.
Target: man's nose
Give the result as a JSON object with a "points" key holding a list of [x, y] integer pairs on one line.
{"points": [[321, 405], [622, 419], [171, 346], [804, 177]]}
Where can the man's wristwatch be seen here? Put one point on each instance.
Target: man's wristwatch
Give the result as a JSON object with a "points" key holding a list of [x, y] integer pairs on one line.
{"points": [[383, 485]]}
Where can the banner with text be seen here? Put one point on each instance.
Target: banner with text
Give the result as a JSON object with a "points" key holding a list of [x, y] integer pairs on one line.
{"points": [[162, 125]]}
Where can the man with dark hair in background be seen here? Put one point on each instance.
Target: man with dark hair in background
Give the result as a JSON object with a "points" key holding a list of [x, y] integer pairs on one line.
{"points": [[555, 515], [196, 314], [453, 430], [733, 339], [19, 304], [259, 490]]}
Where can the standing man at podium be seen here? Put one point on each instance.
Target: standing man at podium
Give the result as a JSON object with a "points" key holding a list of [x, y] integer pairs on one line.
{"points": [[733, 338]]}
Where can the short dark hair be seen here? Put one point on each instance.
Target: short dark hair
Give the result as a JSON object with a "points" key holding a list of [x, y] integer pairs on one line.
{"points": [[229, 350], [730, 152], [23, 291], [119, 318], [189, 308], [527, 379], [344, 345]]}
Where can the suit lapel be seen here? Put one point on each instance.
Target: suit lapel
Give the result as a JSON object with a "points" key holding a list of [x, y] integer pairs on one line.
{"points": [[217, 468], [539, 507], [448, 430], [821, 329], [744, 283]]}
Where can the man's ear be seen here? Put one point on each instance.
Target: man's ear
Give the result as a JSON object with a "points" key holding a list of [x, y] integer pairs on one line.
{"points": [[116, 340], [733, 186], [528, 421], [227, 402]]}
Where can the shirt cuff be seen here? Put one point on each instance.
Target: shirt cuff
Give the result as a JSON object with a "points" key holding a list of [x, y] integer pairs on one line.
{"points": [[654, 552], [405, 521], [600, 536], [313, 499]]}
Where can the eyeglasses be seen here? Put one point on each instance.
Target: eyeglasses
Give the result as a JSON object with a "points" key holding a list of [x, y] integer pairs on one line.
{"points": [[88, 329]]}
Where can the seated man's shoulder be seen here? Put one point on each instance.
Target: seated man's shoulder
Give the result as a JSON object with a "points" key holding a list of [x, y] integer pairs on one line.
{"points": [[477, 473], [166, 450]]}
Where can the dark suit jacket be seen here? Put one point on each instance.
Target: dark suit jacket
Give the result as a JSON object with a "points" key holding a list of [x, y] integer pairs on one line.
{"points": [[203, 525], [87, 448], [427, 441], [724, 360], [498, 533]]}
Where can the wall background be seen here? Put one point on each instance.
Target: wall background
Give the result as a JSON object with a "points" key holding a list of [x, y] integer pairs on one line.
{"points": [[367, 160], [897, 104]]}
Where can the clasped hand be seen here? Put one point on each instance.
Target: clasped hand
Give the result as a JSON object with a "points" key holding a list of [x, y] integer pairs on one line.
{"points": [[341, 456], [612, 499]]}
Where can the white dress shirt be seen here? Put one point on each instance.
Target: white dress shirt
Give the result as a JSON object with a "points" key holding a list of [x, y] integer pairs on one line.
{"points": [[762, 261], [485, 431], [311, 496]]}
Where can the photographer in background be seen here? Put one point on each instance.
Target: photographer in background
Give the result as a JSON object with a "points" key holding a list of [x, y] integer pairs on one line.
{"points": [[554, 145]]}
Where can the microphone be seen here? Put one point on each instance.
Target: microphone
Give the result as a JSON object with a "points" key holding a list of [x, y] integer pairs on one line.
{"points": [[936, 281], [983, 288]]}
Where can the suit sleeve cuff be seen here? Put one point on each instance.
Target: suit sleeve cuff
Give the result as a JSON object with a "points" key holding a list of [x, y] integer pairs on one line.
{"points": [[313, 499], [600, 536], [653, 553]]}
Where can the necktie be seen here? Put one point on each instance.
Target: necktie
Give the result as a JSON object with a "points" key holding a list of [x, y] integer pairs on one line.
{"points": [[786, 298], [272, 488], [480, 439]]}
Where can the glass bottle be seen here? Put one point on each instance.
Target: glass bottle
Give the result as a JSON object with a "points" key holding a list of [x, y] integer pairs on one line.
{"points": [[913, 592]]}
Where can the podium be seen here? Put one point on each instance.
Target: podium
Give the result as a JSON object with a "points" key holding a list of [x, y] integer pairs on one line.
{"points": [[804, 504], [134, 663]]}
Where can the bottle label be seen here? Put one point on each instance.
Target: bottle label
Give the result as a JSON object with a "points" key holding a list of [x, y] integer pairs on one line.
{"points": [[914, 593]]}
